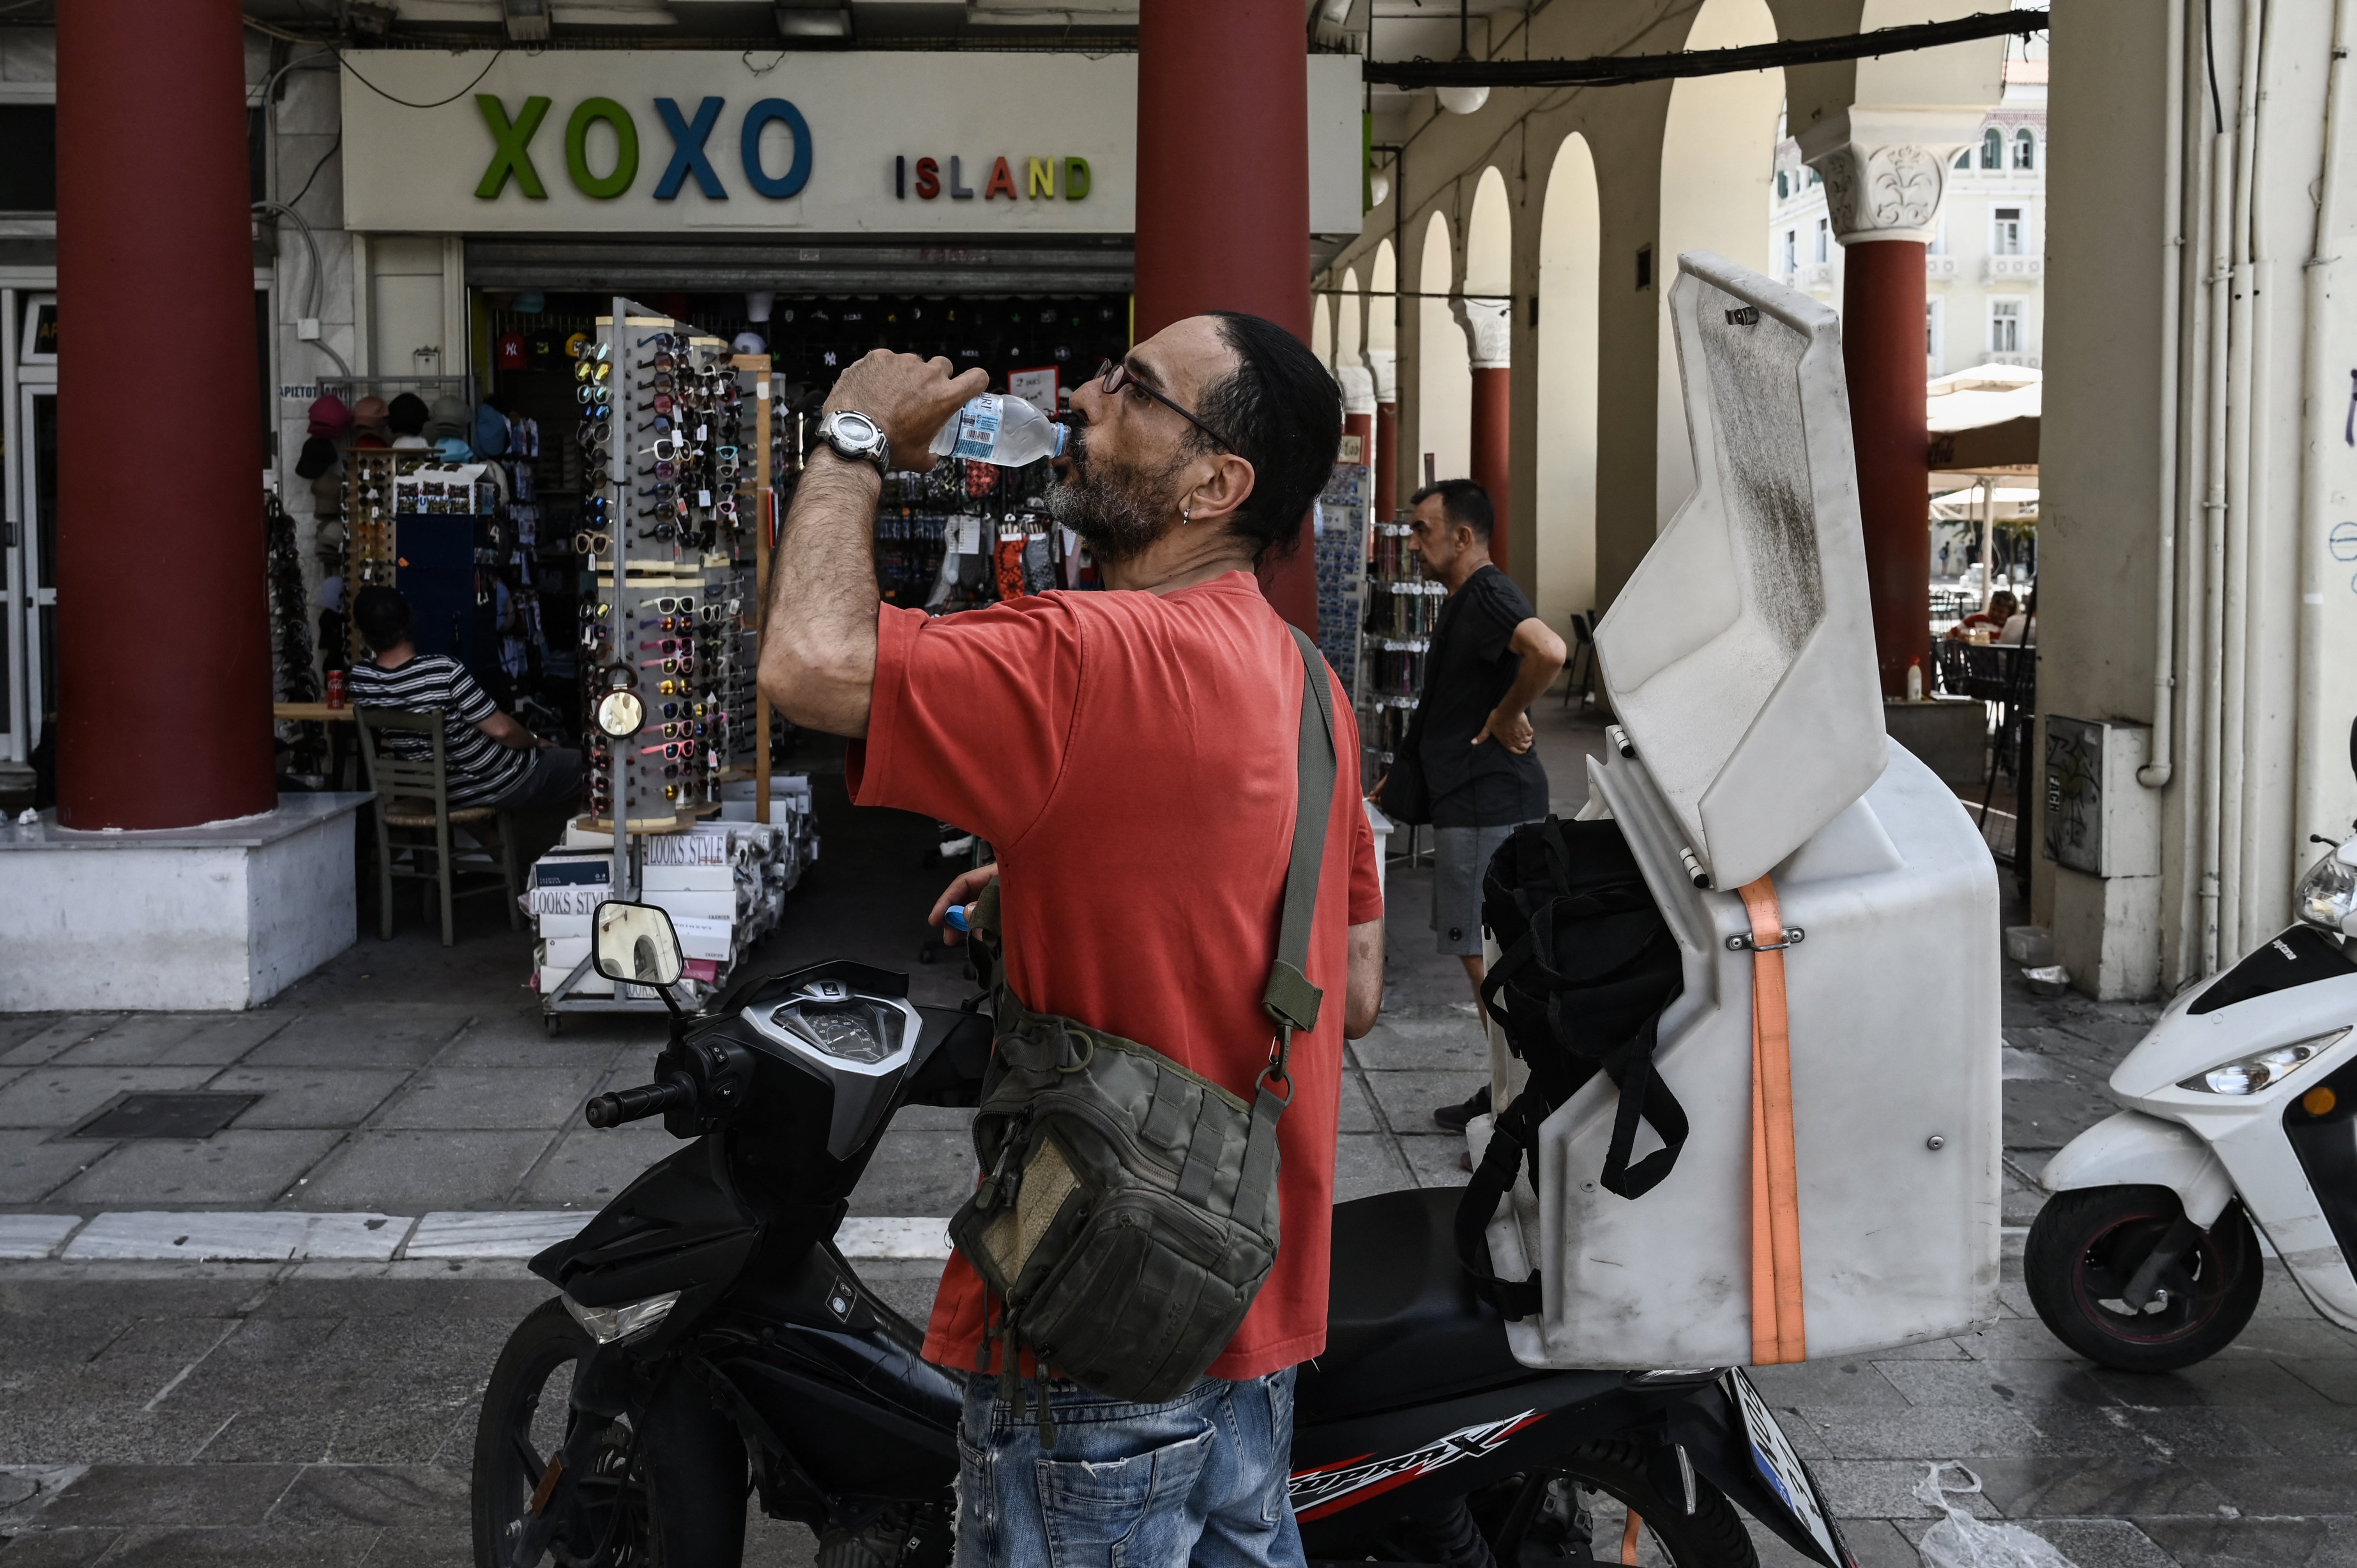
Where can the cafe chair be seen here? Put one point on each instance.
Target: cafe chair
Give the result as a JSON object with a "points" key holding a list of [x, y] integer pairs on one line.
{"points": [[413, 815]]}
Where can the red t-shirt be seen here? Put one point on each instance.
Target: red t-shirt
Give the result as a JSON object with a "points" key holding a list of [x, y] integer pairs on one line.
{"points": [[1132, 757]]}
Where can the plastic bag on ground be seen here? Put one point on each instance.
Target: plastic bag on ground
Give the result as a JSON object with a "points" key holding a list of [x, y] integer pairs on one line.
{"points": [[1959, 1540]]}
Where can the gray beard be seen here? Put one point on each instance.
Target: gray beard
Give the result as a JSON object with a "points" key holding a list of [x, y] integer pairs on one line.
{"points": [[1118, 510]]}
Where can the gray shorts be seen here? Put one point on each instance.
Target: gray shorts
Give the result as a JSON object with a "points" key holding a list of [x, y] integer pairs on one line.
{"points": [[1459, 857]]}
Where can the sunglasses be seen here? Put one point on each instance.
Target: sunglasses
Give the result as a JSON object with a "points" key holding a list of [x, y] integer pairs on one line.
{"points": [[681, 604], [593, 545], [1117, 377], [588, 371]]}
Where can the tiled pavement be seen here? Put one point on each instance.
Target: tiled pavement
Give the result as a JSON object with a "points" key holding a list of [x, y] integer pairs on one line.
{"points": [[321, 1412]]}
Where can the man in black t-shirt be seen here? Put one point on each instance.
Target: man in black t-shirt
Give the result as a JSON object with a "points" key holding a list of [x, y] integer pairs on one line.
{"points": [[1470, 739]]}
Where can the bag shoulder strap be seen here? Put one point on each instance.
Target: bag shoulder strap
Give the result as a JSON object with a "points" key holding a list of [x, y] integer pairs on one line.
{"points": [[1289, 997]]}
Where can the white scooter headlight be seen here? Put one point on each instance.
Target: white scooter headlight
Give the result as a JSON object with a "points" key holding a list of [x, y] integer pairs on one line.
{"points": [[607, 1324], [2327, 896], [2252, 1074]]}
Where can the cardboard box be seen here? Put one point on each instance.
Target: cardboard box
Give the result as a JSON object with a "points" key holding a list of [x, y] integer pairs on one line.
{"points": [[690, 878], [679, 903], [713, 939]]}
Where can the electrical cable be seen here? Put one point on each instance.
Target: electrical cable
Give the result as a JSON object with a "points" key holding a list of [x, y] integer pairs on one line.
{"points": [[462, 93], [1606, 70], [333, 148]]}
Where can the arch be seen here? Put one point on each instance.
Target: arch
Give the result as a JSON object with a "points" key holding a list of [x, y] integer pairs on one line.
{"points": [[1444, 372], [1719, 152], [1570, 228], [1993, 148], [1383, 284], [1321, 329], [1490, 237], [2024, 149]]}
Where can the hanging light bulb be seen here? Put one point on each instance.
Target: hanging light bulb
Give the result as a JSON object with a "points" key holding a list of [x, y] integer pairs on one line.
{"points": [[1379, 186], [1463, 100]]}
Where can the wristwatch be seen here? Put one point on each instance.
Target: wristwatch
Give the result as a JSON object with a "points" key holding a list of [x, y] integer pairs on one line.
{"points": [[855, 438]]}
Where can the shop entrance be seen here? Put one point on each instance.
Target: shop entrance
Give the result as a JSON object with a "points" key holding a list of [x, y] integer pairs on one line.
{"points": [[526, 346]]}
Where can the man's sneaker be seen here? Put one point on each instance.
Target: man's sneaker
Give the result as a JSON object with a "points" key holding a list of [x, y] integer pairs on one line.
{"points": [[1454, 1117]]}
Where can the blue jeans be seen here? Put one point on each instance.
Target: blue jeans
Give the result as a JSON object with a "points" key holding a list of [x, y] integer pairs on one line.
{"points": [[1199, 1479]]}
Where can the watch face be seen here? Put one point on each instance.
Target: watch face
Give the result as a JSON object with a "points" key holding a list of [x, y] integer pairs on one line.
{"points": [[856, 430]]}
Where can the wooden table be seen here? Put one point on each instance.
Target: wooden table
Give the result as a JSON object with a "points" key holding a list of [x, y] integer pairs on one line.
{"points": [[343, 759]]}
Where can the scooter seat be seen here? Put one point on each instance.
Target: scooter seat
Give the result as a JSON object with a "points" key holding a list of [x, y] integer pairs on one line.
{"points": [[1403, 1323]]}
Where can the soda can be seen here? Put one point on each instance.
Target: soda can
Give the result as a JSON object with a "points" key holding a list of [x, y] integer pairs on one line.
{"points": [[335, 688]]}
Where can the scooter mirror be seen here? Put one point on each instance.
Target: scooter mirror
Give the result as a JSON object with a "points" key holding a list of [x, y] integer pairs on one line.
{"points": [[636, 943]]}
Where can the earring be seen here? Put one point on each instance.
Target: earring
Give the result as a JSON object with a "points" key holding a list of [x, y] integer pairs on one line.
{"points": [[1186, 514]]}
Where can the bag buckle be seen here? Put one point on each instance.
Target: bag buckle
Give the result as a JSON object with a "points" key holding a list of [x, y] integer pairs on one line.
{"points": [[1280, 1047], [1794, 937]]}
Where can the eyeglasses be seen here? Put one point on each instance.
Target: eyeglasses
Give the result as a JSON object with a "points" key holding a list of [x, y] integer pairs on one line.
{"points": [[1117, 376]]}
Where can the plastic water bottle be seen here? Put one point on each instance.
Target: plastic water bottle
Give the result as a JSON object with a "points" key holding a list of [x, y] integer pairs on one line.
{"points": [[1005, 431]]}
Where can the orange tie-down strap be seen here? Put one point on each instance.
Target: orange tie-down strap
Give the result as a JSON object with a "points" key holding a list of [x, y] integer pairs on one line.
{"points": [[1778, 1332]]}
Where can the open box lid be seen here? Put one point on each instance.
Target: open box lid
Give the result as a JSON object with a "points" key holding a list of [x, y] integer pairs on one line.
{"points": [[1739, 656]]}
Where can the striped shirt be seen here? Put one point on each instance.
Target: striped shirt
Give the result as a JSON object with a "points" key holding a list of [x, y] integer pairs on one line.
{"points": [[480, 768]]}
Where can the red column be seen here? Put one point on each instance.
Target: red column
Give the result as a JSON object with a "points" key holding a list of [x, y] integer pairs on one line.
{"points": [[1223, 187], [1386, 461], [1361, 425], [163, 627], [1493, 413], [1883, 349]]}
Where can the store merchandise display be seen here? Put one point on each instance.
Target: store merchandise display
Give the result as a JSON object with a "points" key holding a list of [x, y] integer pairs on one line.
{"points": [[292, 678], [1403, 606], [968, 534], [1340, 531]]}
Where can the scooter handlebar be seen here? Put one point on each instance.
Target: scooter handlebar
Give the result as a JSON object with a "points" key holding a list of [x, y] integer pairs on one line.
{"points": [[637, 1104]]}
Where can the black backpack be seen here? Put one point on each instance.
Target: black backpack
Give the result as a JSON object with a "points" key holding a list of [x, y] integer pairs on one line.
{"points": [[1588, 967]]}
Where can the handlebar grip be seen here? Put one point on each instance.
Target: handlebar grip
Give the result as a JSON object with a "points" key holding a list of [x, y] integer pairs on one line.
{"points": [[637, 1104]]}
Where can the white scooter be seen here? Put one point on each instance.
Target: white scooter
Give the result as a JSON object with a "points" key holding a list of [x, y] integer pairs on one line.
{"points": [[2241, 1107]]}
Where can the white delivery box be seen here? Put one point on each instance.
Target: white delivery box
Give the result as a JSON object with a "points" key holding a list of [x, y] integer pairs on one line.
{"points": [[1740, 663]]}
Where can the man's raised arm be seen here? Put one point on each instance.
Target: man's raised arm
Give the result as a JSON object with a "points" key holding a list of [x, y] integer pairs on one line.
{"points": [[818, 648]]}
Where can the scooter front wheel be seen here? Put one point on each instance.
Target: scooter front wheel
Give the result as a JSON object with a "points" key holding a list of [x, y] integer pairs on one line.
{"points": [[2086, 1251]]}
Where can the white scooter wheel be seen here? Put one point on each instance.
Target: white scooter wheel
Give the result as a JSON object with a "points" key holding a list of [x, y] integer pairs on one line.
{"points": [[2089, 1244]]}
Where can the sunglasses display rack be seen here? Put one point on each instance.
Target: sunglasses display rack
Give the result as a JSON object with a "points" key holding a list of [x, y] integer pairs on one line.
{"points": [[1401, 607], [368, 527], [674, 450]]}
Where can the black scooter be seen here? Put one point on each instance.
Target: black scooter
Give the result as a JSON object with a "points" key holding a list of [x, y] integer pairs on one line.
{"points": [[710, 1337]]}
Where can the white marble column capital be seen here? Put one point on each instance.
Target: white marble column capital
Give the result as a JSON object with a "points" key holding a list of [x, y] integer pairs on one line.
{"points": [[1358, 387], [1488, 331], [1385, 363], [1886, 171]]}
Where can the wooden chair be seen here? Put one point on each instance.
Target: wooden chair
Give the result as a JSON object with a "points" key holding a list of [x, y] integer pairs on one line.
{"points": [[1580, 673], [413, 799]]}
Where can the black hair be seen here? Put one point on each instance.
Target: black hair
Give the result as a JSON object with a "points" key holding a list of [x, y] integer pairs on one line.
{"points": [[383, 617], [1462, 501], [1283, 411]]}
